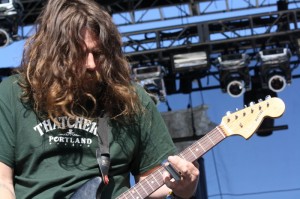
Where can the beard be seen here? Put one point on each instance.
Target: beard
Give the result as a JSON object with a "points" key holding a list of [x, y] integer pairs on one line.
{"points": [[91, 83], [90, 93]]}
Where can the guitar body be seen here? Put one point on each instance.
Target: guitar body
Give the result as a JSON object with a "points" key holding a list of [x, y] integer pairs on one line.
{"points": [[89, 190]]}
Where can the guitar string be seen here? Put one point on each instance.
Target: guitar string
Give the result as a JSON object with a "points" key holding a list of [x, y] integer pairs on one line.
{"points": [[207, 141], [185, 154], [144, 188]]}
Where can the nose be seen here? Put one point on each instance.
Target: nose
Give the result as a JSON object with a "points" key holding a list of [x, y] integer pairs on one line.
{"points": [[90, 62]]}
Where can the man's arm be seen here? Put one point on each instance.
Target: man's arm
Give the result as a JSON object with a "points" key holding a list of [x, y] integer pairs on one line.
{"points": [[184, 188], [6, 182]]}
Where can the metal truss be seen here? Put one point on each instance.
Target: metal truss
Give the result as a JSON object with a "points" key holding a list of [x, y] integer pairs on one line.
{"points": [[244, 32], [31, 10], [129, 12]]}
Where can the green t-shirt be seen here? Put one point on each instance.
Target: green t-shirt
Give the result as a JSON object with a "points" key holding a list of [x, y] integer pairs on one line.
{"points": [[52, 162]]}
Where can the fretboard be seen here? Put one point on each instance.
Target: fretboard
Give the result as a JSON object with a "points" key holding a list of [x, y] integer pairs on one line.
{"points": [[155, 180]]}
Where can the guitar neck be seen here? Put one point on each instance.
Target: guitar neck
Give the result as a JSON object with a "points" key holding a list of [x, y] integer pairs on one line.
{"points": [[155, 180]]}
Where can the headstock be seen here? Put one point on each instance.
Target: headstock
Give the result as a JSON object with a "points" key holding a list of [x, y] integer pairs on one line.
{"points": [[246, 121]]}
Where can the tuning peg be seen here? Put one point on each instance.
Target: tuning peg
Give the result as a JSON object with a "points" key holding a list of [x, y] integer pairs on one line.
{"points": [[251, 103], [260, 100], [268, 97], [228, 113], [236, 109]]}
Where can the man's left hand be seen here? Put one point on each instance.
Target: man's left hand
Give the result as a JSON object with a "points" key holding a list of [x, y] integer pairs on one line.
{"points": [[189, 172]]}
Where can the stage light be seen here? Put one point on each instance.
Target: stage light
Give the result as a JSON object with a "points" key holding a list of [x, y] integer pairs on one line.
{"points": [[189, 62], [6, 5], [234, 74], [4, 38], [151, 78], [275, 68], [8, 21]]}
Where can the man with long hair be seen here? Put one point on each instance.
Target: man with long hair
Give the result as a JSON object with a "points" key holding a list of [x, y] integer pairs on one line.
{"points": [[72, 71]]}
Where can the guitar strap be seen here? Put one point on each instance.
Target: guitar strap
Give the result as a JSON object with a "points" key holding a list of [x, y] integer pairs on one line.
{"points": [[102, 153], [94, 187]]}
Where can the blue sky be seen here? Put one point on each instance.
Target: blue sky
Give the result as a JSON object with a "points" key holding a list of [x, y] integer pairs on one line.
{"points": [[258, 168]]}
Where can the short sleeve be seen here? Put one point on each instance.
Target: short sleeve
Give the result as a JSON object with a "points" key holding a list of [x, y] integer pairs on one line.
{"points": [[7, 134], [156, 143]]}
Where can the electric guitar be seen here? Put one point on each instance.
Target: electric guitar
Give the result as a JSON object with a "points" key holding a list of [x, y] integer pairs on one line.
{"points": [[243, 122]]}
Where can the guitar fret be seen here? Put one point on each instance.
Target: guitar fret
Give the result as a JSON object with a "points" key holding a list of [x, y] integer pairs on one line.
{"points": [[221, 132], [135, 193], [125, 195], [150, 184], [143, 187], [184, 155], [202, 147], [155, 180], [204, 144], [160, 171], [147, 187], [159, 176], [132, 196], [210, 139], [197, 145], [181, 155], [192, 152]]}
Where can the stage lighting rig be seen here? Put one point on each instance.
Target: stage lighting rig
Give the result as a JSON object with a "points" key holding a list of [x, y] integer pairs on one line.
{"points": [[9, 20], [275, 68], [234, 74], [151, 78]]}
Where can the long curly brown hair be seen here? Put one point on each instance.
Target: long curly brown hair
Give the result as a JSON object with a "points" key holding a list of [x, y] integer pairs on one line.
{"points": [[52, 69]]}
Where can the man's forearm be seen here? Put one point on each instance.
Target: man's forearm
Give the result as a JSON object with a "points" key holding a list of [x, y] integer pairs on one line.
{"points": [[7, 191]]}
